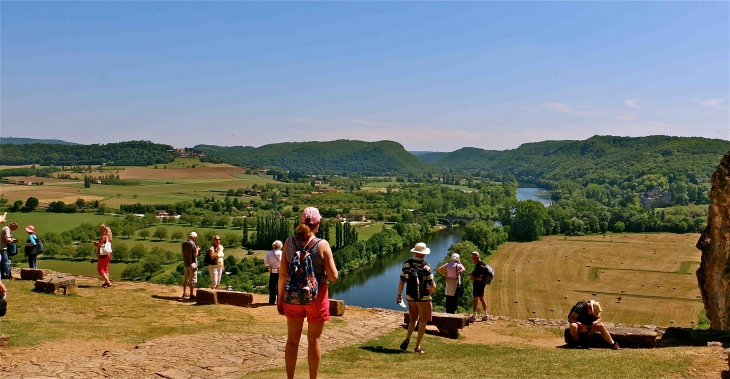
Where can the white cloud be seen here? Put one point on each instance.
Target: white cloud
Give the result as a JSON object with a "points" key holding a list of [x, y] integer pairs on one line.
{"points": [[712, 103], [633, 103]]}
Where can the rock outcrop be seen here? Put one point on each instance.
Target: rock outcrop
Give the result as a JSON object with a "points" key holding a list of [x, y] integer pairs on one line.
{"points": [[714, 272]]}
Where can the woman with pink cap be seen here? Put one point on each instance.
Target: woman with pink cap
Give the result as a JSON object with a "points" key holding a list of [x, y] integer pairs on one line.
{"points": [[305, 247], [30, 244]]}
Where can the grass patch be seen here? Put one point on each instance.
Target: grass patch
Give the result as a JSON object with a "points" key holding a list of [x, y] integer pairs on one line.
{"points": [[126, 312], [381, 358], [703, 323], [688, 267], [593, 273]]}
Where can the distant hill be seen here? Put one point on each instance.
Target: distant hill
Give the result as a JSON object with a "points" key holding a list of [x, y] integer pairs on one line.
{"points": [[429, 156], [132, 153], [599, 159], [333, 157], [25, 141]]}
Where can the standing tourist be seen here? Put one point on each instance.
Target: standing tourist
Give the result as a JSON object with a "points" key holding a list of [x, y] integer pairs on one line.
{"points": [[585, 320], [272, 262], [452, 271], [30, 245], [190, 260], [309, 264], [418, 280], [104, 254], [481, 277], [216, 269], [6, 243]]}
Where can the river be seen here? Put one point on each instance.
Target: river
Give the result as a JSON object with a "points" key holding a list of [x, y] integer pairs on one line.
{"points": [[376, 284]]}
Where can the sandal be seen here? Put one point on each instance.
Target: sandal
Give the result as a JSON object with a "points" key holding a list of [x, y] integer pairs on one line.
{"points": [[420, 351], [404, 345]]}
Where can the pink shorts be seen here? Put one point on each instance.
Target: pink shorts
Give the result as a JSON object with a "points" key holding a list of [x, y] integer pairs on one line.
{"points": [[315, 313]]}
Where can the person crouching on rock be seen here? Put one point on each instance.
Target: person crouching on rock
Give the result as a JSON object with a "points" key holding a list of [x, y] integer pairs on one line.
{"points": [[585, 319]]}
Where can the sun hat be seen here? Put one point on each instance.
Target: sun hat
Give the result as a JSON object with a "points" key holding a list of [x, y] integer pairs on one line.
{"points": [[596, 308], [193, 235], [310, 216], [421, 248], [455, 257], [30, 229]]}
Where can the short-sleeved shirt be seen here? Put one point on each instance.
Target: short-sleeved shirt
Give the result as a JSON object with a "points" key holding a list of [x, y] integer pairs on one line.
{"points": [[581, 309], [188, 252], [273, 261], [453, 269], [4, 234], [317, 261], [428, 278]]}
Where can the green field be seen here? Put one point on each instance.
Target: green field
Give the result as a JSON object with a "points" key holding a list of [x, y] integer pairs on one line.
{"points": [[45, 222], [84, 267]]}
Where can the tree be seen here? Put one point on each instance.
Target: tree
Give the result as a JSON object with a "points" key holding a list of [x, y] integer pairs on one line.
{"points": [[229, 240], [529, 222], [87, 181], [484, 235], [30, 204], [16, 206], [121, 252], [85, 250], [160, 233], [144, 233], [177, 235], [619, 227], [138, 252], [81, 203]]}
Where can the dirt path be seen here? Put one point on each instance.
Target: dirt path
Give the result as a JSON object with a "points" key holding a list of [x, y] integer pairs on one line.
{"points": [[213, 355]]}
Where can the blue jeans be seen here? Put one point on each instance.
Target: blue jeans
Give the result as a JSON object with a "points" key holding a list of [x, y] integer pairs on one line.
{"points": [[5, 265], [31, 261]]}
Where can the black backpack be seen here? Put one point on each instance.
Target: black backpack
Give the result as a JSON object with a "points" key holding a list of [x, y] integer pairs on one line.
{"points": [[416, 287], [3, 307]]}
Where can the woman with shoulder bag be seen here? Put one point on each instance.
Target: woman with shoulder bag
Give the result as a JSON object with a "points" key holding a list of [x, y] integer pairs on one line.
{"points": [[452, 271], [104, 253], [215, 262]]}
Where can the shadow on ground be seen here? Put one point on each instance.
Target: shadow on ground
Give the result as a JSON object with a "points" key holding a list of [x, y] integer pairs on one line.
{"points": [[382, 350]]}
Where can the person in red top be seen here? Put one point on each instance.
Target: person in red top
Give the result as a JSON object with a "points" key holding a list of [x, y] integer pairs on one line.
{"points": [[102, 265]]}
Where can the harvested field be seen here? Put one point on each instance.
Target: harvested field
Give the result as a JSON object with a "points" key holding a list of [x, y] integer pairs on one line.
{"points": [[653, 274], [141, 173]]}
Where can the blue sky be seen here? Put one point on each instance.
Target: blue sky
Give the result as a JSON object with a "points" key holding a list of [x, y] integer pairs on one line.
{"points": [[432, 76]]}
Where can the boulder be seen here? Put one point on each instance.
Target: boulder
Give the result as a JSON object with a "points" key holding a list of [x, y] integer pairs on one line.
{"points": [[714, 243], [4, 340], [447, 323], [206, 296], [31, 274], [241, 299], [59, 284], [625, 336], [337, 307]]}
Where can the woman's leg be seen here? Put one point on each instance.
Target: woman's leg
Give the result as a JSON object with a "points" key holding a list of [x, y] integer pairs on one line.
{"points": [[424, 314], [413, 315], [211, 271], [314, 352], [294, 333]]}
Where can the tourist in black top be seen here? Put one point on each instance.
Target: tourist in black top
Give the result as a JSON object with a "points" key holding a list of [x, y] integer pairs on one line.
{"points": [[585, 317], [478, 276]]}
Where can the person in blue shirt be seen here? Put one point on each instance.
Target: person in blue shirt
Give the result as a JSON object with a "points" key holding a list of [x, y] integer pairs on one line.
{"points": [[30, 244]]}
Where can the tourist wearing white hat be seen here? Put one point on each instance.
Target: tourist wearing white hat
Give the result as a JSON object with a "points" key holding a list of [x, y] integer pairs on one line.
{"points": [[452, 271], [416, 276]]}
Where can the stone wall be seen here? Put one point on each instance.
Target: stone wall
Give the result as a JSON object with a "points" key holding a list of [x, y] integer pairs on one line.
{"points": [[714, 272]]}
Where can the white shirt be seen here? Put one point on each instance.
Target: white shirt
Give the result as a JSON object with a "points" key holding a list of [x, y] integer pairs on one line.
{"points": [[273, 261]]}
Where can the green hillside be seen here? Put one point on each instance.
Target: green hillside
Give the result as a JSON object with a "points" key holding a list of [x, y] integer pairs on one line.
{"points": [[599, 159], [132, 153], [430, 156], [333, 157], [25, 141]]}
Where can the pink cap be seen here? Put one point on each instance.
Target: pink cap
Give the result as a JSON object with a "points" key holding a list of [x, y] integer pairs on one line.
{"points": [[311, 216], [30, 229]]}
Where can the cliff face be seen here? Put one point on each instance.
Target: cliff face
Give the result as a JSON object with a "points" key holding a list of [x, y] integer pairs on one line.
{"points": [[714, 272]]}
